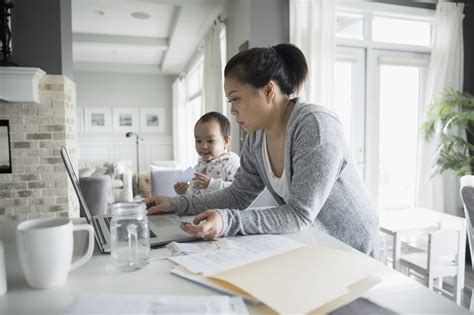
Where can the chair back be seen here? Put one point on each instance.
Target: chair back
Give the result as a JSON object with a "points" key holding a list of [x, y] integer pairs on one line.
{"points": [[443, 243], [467, 197], [162, 182]]}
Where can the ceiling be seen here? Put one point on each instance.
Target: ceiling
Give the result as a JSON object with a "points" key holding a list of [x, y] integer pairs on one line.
{"points": [[151, 36]]}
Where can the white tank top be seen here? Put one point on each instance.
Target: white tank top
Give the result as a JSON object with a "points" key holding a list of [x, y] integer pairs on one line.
{"points": [[279, 184]]}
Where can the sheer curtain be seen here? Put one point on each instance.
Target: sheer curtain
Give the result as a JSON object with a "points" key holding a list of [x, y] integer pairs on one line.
{"points": [[213, 71], [180, 145], [313, 30], [446, 70]]}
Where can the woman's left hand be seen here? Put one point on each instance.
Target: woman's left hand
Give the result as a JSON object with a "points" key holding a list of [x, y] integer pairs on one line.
{"points": [[207, 224]]}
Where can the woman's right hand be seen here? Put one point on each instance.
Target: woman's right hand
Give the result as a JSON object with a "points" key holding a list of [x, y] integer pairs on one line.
{"points": [[158, 204]]}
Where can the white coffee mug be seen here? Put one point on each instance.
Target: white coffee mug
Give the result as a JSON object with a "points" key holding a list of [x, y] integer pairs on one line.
{"points": [[45, 248]]}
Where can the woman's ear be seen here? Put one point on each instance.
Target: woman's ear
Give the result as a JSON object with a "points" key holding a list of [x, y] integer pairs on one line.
{"points": [[270, 91]]}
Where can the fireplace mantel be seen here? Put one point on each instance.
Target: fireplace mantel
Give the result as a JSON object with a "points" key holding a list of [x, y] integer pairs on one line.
{"points": [[19, 84]]}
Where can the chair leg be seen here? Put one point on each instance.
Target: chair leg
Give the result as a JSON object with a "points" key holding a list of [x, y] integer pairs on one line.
{"points": [[457, 288], [440, 282], [430, 282]]}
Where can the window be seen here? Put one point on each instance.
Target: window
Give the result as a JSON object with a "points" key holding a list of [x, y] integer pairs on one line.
{"points": [[380, 72], [401, 31], [191, 108], [349, 25]]}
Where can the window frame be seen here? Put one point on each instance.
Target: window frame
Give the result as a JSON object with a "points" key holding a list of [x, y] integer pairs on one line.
{"points": [[366, 144]]}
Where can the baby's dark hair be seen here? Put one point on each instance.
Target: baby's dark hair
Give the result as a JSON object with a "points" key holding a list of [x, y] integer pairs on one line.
{"points": [[221, 119], [283, 63]]}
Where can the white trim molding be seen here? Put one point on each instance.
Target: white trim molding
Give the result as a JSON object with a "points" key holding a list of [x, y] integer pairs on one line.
{"points": [[19, 84]]}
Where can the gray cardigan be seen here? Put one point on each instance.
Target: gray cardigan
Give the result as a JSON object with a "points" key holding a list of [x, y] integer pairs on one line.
{"points": [[325, 188]]}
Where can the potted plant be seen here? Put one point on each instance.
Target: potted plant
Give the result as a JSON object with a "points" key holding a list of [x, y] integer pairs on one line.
{"points": [[454, 109]]}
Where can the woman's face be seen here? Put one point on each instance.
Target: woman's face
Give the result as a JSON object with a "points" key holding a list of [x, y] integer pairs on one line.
{"points": [[248, 104]]}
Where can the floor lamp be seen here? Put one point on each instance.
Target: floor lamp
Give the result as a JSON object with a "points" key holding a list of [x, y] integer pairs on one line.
{"points": [[137, 139]]}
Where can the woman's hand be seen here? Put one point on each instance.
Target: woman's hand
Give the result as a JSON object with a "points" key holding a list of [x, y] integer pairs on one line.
{"points": [[202, 181], [181, 188], [157, 204], [207, 224]]}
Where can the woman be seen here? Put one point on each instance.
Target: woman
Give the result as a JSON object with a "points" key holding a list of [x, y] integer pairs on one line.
{"points": [[295, 149]]}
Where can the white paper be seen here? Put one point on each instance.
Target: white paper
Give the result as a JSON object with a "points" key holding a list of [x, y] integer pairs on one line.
{"points": [[185, 176], [211, 285], [248, 249], [199, 247], [155, 304]]}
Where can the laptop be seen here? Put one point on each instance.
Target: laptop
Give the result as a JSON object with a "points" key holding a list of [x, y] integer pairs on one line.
{"points": [[162, 230]]}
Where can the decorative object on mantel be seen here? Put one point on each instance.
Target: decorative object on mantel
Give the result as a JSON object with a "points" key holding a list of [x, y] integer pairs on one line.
{"points": [[137, 139], [5, 33], [20, 84]]}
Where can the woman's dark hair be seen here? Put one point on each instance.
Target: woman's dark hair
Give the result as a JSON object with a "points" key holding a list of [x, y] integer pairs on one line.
{"points": [[283, 63], [221, 119]]}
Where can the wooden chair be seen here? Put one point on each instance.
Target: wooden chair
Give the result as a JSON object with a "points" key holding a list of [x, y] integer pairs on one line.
{"points": [[441, 260]]}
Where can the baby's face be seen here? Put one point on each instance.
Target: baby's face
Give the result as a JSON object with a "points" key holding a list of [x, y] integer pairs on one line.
{"points": [[210, 142]]}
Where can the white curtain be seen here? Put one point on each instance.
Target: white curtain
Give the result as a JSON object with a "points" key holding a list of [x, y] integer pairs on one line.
{"points": [[213, 72], [446, 70], [179, 108], [313, 30]]}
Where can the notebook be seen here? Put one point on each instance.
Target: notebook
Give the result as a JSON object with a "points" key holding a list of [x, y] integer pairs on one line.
{"points": [[162, 230]]}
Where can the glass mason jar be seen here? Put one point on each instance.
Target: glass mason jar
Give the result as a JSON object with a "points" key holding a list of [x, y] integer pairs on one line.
{"points": [[130, 236]]}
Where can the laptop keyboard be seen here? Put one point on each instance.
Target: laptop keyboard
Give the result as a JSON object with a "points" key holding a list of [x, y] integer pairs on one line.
{"points": [[107, 222]]}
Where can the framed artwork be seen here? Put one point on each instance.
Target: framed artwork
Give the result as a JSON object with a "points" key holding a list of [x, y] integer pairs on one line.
{"points": [[98, 119], [125, 119], [80, 119], [152, 119], [5, 152]]}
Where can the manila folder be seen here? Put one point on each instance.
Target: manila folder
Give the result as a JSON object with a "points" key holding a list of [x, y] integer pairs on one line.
{"points": [[301, 280]]}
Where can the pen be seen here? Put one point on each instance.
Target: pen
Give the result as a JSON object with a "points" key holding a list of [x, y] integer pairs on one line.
{"points": [[175, 220]]}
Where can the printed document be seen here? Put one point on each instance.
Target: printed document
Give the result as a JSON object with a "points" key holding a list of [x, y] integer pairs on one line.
{"points": [[247, 249], [199, 247]]}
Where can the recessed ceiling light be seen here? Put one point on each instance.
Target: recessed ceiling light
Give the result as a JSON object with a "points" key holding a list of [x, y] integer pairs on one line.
{"points": [[99, 12], [140, 15]]}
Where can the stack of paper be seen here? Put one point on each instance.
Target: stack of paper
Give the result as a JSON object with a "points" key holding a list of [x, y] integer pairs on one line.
{"points": [[291, 278]]}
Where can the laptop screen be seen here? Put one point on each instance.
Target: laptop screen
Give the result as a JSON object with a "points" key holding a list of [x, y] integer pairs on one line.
{"points": [[75, 183]]}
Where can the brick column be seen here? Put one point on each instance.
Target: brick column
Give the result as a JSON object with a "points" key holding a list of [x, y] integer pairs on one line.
{"points": [[39, 186]]}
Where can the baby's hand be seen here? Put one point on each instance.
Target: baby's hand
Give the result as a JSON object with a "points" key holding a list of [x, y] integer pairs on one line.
{"points": [[202, 181], [181, 188]]}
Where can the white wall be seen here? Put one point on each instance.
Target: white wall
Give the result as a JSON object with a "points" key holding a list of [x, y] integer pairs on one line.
{"points": [[101, 89], [238, 31], [262, 23]]}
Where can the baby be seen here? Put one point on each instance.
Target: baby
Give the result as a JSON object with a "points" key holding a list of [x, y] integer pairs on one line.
{"points": [[216, 167]]}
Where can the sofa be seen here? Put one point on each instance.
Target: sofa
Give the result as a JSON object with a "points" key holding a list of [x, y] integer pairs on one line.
{"points": [[120, 173]]}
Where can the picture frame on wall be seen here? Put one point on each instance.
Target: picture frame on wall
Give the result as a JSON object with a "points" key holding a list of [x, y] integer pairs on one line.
{"points": [[152, 120], [5, 148], [80, 119], [125, 119], [98, 119]]}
